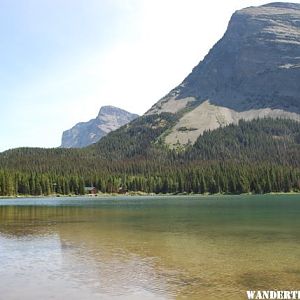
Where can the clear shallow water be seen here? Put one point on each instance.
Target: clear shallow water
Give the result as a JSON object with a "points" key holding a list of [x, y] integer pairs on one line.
{"points": [[148, 247]]}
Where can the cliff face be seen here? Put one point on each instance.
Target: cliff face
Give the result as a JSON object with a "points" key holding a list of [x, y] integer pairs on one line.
{"points": [[85, 133], [255, 65], [253, 71]]}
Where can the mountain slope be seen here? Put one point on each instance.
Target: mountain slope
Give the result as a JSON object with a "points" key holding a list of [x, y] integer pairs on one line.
{"points": [[253, 71], [83, 134], [257, 156]]}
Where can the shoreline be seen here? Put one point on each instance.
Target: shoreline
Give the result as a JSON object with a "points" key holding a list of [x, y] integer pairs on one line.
{"points": [[137, 194]]}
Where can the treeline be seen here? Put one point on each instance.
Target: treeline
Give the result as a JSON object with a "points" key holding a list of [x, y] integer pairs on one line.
{"points": [[12, 183], [276, 141], [260, 156], [216, 178]]}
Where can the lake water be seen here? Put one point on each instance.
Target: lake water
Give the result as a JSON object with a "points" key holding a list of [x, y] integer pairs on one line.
{"points": [[148, 247]]}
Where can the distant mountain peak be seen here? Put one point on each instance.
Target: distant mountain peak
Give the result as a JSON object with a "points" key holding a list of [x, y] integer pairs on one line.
{"points": [[110, 110], [83, 134]]}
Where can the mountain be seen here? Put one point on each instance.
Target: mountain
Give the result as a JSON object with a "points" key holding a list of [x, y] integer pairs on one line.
{"points": [[83, 134], [253, 71], [246, 89]]}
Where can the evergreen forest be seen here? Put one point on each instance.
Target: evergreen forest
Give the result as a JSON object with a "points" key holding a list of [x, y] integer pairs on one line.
{"points": [[259, 156]]}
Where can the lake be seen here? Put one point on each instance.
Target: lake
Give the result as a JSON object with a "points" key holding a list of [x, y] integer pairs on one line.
{"points": [[172, 247]]}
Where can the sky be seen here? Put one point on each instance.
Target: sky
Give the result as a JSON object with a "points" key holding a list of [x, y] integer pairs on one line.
{"points": [[61, 60]]}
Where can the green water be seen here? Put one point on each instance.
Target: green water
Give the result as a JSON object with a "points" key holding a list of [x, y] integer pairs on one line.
{"points": [[148, 247]]}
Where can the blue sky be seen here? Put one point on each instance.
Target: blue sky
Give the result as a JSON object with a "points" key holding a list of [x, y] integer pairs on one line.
{"points": [[61, 60]]}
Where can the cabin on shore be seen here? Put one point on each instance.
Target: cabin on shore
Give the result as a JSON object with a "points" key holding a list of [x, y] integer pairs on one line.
{"points": [[91, 190], [122, 190]]}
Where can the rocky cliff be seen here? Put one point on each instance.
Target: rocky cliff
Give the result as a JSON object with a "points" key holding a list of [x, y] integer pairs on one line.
{"points": [[253, 71], [85, 133]]}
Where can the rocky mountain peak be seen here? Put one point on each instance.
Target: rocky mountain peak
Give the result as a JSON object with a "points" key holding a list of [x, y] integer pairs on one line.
{"points": [[111, 110], [252, 71], [83, 134]]}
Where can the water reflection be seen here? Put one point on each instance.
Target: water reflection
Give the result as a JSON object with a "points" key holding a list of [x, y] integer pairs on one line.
{"points": [[148, 249]]}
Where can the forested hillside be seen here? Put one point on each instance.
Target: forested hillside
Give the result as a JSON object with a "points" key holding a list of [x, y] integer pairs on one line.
{"points": [[259, 156]]}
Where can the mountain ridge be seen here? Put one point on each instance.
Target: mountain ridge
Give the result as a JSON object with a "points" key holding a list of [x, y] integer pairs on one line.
{"points": [[84, 134], [254, 67], [283, 5]]}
